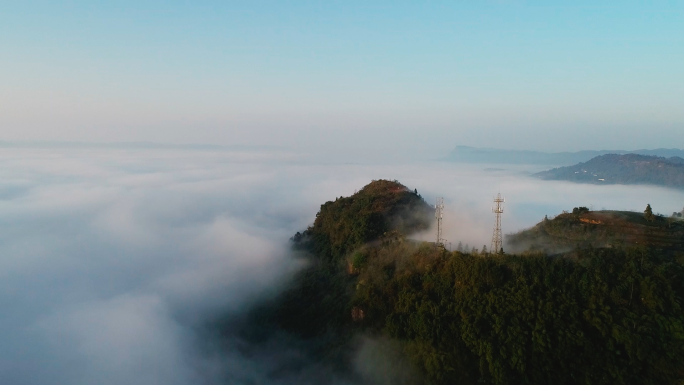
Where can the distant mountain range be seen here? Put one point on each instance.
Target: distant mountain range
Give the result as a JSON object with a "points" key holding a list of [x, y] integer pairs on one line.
{"points": [[623, 169], [466, 154]]}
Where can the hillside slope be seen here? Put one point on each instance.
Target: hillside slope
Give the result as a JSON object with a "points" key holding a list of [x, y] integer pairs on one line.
{"points": [[598, 229], [318, 301], [622, 169], [595, 315]]}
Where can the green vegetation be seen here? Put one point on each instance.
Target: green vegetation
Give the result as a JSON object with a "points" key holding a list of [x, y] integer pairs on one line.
{"points": [[348, 223], [648, 213], [608, 310], [623, 169], [596, 229], [608, 317], [317, 304]]}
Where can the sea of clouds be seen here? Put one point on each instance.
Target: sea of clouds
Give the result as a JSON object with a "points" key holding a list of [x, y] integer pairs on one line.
{"points": [[113, 260]]}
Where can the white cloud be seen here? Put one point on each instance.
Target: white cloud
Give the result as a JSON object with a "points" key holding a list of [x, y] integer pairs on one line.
{"points": [[110, 260]]}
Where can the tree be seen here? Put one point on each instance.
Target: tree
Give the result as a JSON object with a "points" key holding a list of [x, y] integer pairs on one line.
{"points": [[648, 213], [459, 248], [484, 249]]}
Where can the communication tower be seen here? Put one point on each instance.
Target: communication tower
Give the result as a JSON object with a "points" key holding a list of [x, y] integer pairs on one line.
{"points": [[497, 239], [439, 210]]}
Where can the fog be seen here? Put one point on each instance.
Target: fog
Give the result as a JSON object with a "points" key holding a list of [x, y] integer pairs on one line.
{"points": [[113, 260]]}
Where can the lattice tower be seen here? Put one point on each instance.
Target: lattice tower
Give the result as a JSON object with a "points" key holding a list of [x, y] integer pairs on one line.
{"points": [[439, 212], [497, 239]]}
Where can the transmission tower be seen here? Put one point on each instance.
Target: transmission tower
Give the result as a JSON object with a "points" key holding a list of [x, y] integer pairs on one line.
{"points": [[439, 210], [497, 239]]}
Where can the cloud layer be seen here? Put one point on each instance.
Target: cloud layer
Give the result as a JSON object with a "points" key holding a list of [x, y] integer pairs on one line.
{"points": [[112, 260]]}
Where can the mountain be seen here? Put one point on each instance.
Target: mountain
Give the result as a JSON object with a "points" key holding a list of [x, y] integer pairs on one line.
{"points": [[347, 223], [583, 229], [466, 154], [598, 299], [623, 169], [318, 301]]}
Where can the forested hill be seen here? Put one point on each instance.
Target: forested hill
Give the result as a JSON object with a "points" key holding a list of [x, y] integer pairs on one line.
{"points": [[347, 223], [596, 229], [606, 314], [623, 169], [318, 301]]}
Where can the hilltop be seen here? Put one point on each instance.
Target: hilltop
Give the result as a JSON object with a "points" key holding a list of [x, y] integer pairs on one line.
{"points": [[623, 169], [318, 301], [347, 223], [600, 229]]}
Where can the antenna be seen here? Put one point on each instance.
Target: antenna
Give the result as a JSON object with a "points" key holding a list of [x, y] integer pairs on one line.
{"points": [[439, 210], [497, 239]]}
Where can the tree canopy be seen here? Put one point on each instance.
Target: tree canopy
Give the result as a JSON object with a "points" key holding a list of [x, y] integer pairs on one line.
{"points": [[600, 312], [648, 213]]}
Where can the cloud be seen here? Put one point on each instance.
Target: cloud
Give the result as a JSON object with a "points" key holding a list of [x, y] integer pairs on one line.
{"points": [[112, 260], [128, 339]]}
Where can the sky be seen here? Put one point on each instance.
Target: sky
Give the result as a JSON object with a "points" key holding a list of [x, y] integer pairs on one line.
{"points": [[114, 259], [349, 76]]}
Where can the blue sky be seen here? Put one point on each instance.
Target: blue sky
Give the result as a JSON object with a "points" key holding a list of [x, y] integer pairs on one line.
{"points": [[411, 75]]}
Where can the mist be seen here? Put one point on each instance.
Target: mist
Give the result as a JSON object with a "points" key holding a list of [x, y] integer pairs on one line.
{"points": [[113, 260]]}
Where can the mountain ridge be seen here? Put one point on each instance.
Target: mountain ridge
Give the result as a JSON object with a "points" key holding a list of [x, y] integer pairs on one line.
{"points": [[467, 154], [622, 169]]}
